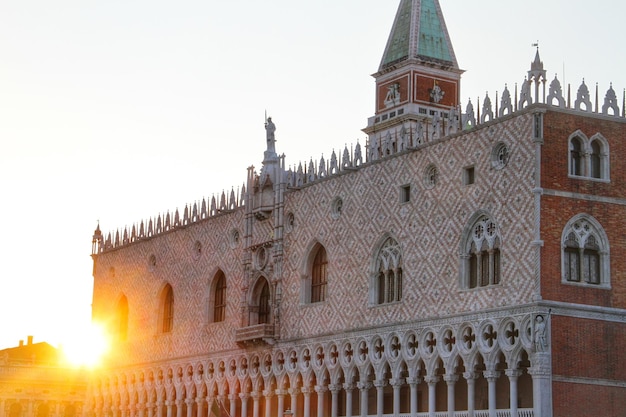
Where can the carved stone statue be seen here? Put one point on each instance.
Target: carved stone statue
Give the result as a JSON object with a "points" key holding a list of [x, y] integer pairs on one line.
{"points": [[270, 128], [541, 341]]}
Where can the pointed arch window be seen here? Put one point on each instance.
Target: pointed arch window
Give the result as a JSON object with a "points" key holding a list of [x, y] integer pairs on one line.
{"points": [[264, 303], [576, 157], [219, 298], [121, 319], [481, 265], [585, 253], [167, 309], [318, 276], [388, 273], [595, 159]]}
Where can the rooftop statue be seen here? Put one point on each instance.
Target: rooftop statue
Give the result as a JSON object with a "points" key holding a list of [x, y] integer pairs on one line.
{"points": [[270, 128]]}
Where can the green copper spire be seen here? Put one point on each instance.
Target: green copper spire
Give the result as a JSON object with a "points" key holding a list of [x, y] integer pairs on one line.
{"points": [[419, 31]]}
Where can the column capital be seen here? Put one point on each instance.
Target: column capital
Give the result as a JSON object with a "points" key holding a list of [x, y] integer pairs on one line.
{"points": [[451, 378], [513, 373], [413, 380], [244, 396], [396, 382], [491, 375], [293, 391], [255, 395], [335, 387], [380, 383], [281, 392], [432, 379], [364, 386], [306, 390], [268, 393], [470, 375], [320, 389], [349, 386]]}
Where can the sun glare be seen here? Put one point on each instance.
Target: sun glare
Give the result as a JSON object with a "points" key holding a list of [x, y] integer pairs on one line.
{"points": [[86, 348]]}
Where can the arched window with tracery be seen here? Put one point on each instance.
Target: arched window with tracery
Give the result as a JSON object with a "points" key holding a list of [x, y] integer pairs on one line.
{"points": [[219, 298], [167, 309], [318, 276], [481, 254], [388, 273], [585, 252], [121, 319]]}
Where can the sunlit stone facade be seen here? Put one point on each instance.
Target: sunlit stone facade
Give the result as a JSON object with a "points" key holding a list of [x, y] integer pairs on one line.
{"points": [[439, 269]]}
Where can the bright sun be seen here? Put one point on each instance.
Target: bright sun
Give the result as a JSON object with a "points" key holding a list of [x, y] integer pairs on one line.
{"points": [[87, 347]]}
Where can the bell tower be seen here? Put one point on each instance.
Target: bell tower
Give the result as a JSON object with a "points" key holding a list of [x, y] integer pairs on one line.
{"points": [[417, 83]]}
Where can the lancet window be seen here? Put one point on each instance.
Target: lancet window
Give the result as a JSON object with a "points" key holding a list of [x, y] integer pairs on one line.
{"points": [[167, 309], [219, 298], [318, 276]]}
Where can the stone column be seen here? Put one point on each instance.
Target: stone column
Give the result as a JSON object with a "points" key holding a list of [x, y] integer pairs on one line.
{"points": [[364, 388], [321, 391], [432, 403], [349, 388], [233, 403], [451, 381], [492, 377], [293, 392], [200, 401], [255, 403], [513, 375], [470, 377], [189, 402], [380, 396], [542, 384], [280, 393], [244, 403], [179, 408], [334, 394], [159, 408], [396, 383], [413, 383], [268, 402], [2, 406], [306, 392]]}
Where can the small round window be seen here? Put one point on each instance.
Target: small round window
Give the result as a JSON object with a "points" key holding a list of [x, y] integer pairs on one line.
{"points": [[500, 156]]}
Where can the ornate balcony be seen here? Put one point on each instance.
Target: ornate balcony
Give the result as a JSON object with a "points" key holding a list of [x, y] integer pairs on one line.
{"points": [[255, 335]]}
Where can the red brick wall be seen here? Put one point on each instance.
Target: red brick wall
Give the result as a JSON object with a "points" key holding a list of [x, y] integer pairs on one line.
{"points": [[557, 211], [583, 348]]}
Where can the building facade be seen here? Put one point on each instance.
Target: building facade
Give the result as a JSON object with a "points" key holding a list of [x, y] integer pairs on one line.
{"points": [[34, 382], [459, 263]]}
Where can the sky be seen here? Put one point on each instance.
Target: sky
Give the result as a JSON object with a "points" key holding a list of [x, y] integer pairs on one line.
{"points": [[115, 111]]}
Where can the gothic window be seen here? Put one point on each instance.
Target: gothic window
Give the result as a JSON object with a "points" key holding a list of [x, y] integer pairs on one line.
{"points": [[219, 297], [481, 248], [588, 158], [387, 285], [585, 252], [260, 303], [121, 319], [318, 276], [575, 157], [167, 309], [264, 303]]}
